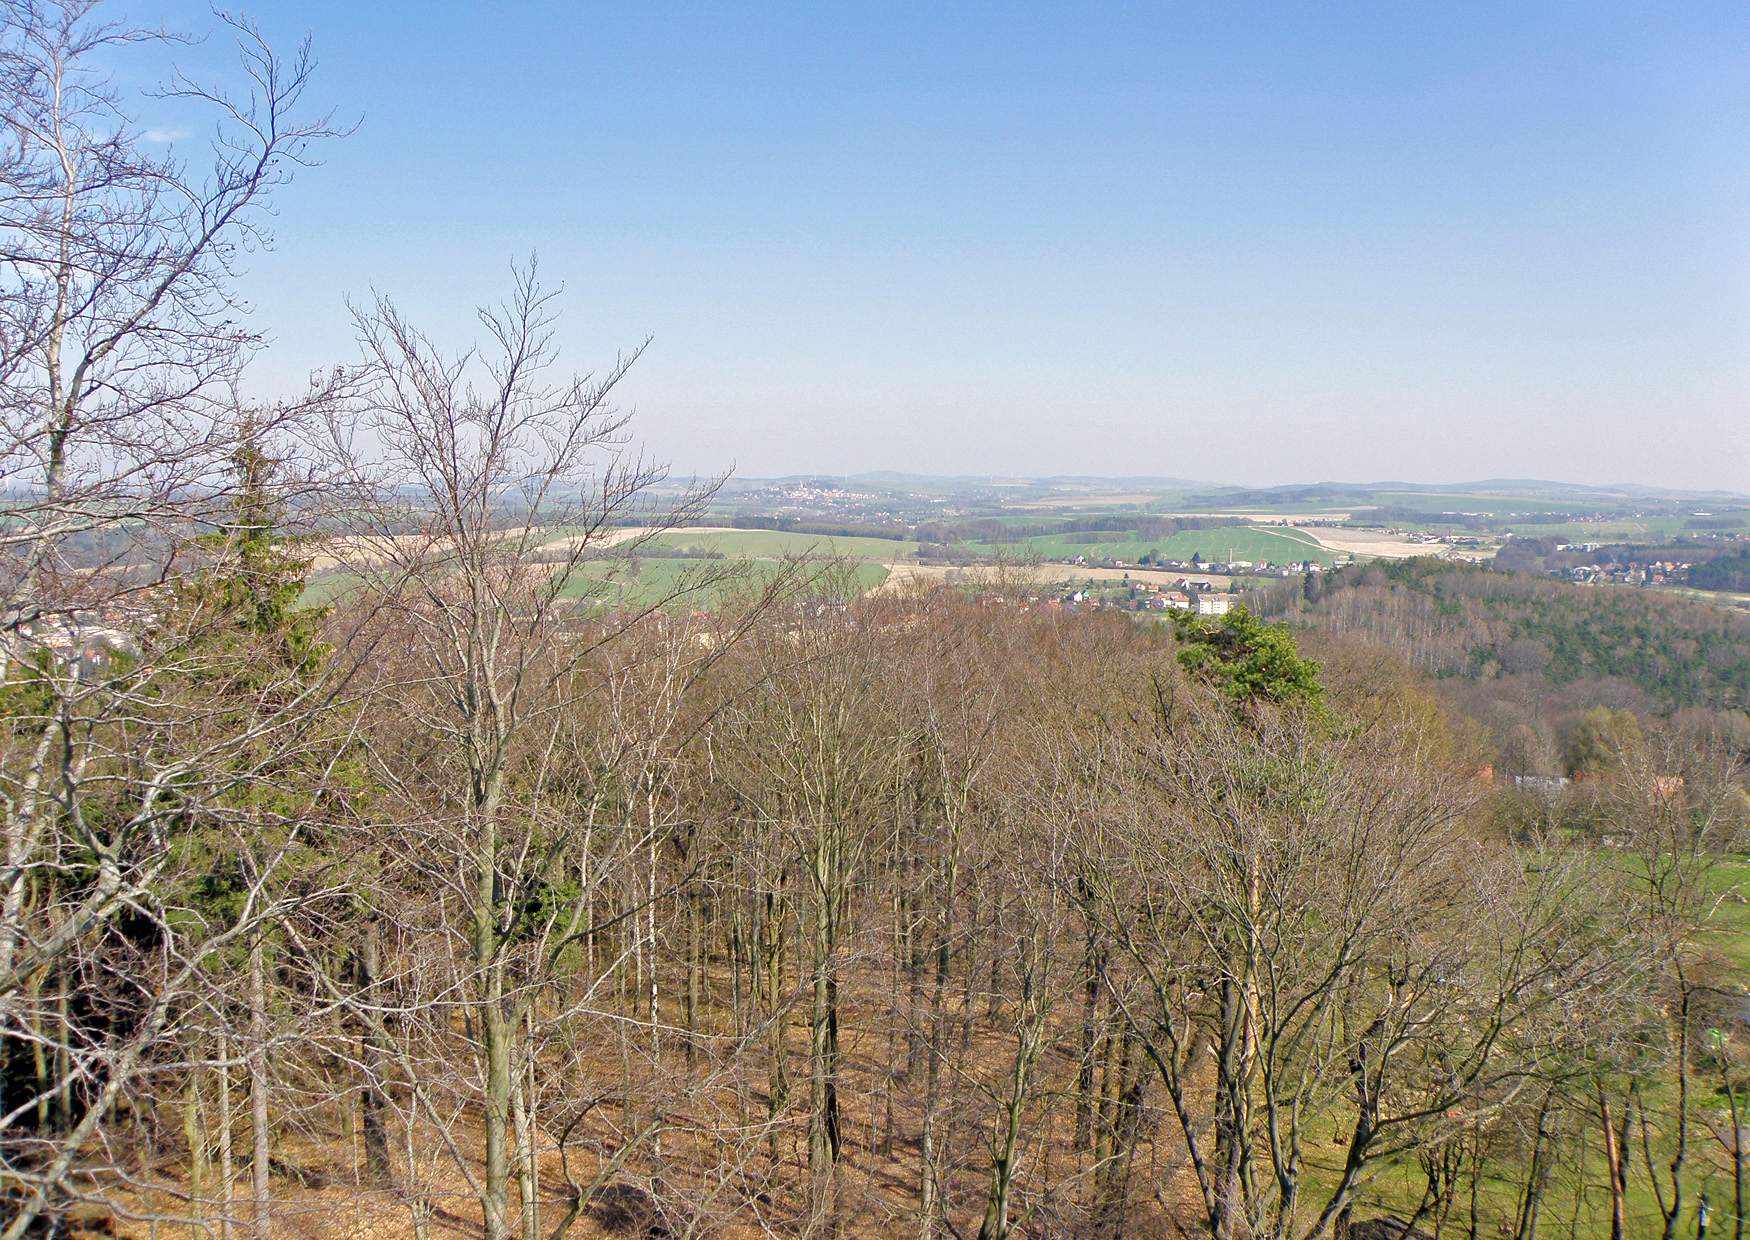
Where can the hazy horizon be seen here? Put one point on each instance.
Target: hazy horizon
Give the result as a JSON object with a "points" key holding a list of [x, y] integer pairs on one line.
{"points": [[1432, 485], [1379, 243]]}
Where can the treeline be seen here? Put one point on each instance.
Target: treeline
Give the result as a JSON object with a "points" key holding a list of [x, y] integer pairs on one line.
{"points": [[1529, 661], [1396, 514], [945, 535], [1724, 572]]}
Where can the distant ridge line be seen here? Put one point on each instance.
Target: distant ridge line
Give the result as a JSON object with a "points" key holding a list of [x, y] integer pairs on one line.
{"points": [[1327, 490]]}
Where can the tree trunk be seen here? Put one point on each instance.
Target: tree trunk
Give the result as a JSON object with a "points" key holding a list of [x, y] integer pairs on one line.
{"points": [[227, 1147], [1612, 1165], [1005, 1149], [823, 1129], [528, 1168], [771, 939], [194, 1129], [260, 1168], [376, 1129], [498, 1033], [1084, 1132], [695, 967]]}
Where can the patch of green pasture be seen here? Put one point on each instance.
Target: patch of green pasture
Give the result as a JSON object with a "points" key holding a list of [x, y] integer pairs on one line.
{"points": [[1576, 1192], [1729, 882], [1275, 545], [641, 582], [326, 588], [707, 583], [781, 544]]}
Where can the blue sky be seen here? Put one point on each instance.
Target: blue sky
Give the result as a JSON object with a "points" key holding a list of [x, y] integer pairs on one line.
{"points": [[1260, 243]]}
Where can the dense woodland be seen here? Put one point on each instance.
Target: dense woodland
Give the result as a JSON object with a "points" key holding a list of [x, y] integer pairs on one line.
{"points": [[1725, 572], [1523, 659], [467, 909]]}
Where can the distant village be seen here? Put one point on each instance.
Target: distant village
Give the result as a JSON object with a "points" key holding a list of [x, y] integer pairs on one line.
{"points": [[1221, 568], [1622, 572], [83, 641], [1187, 594]]}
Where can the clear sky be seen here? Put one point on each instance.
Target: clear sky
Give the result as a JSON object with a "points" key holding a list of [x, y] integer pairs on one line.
{"points": [[1250, 243]]}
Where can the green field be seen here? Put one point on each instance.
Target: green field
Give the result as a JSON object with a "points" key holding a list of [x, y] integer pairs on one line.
{"points": [[645, 581], [717, 564], [1276, 546], [705, 583], [780, 544], [1624, 529], [1605, 516], [326, 588], [1468, 501], [1731, 918]]}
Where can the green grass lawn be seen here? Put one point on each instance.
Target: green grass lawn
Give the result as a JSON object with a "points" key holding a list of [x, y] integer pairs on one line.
{"points": [[722, 563], [1276, 545], [778, 544], [326, 588], [1578, 1190], [703, 583], [1731, 919]]}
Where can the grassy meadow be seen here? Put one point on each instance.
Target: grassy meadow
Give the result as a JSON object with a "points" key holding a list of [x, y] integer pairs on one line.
{"points": [[1277, 545], [782, 544], [705, 583]]}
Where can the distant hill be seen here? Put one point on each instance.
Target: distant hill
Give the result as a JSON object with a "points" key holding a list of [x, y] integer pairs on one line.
{"points": [[1195, 491], [1082, 482], [1528, 489]]}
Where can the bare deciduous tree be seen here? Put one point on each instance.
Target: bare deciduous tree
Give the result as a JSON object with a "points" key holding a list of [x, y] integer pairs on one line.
{"points": [[121, 338]]}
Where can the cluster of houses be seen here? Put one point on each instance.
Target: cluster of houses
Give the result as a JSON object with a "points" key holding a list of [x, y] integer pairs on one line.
{"points": [[826, 500], [1662, 787], [1187, 594], [1627, 572], [85, 642], [1226, 568]]}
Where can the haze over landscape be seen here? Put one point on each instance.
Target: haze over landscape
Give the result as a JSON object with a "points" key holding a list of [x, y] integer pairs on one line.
{"points": [[1393, 241]]}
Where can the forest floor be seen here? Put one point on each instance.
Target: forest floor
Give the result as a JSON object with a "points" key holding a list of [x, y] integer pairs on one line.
{"points": [[723, 1170], [717, 1154]]}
